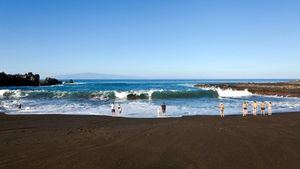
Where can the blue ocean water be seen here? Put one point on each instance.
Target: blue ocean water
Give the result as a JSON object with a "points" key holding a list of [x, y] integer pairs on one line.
{"points": [[138, 98]]}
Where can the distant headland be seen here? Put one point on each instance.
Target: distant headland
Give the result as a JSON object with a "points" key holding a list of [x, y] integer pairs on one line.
{"points": [[89, 76]]}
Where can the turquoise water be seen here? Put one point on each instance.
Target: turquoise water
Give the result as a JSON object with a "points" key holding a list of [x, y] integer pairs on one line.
{"points": [[138, 98]]}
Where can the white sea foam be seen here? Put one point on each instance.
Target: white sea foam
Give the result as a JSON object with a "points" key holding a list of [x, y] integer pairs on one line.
{"points": [[136, 109], [124, 94], [187, 85], [230, 92], [4, 93], [121, 95]]}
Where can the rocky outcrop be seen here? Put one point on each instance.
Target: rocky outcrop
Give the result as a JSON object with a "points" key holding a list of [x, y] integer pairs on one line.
{"points": [[133, 96], [50, 81], [69, 81], [287, 89], [28, 79]]}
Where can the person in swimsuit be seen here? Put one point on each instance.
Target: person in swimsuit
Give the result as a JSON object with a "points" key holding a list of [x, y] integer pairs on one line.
{"points": [[254, 105], [221, 107], [245, 109], [119, 108], [113, 109], [262, 108], [270, 108]]}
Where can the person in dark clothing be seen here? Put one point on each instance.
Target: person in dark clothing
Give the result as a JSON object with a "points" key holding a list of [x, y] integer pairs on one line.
{"points": [[163, 108], [19, 106]]}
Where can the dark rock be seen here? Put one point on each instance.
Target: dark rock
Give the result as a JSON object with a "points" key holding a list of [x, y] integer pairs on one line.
{"points": [[69, 81], [28, 79], [133, 96], [50, 81]]}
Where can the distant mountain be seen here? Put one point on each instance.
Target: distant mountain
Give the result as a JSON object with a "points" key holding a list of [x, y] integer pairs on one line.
{"points": [[93, 76]]}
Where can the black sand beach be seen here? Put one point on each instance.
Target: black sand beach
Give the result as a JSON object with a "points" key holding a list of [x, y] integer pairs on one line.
{"points": [[60, 141]]}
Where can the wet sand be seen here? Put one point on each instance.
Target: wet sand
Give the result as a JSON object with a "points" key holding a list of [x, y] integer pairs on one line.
{"points": [[66, 142]]}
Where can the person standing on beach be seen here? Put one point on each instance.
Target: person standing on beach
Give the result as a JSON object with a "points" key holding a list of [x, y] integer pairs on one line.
{"points": [[113, 109], [262, 108], [245, 109], [221, 107], [270, 108], [119, 108], [163, 108], [159, 111], [254, 105]]}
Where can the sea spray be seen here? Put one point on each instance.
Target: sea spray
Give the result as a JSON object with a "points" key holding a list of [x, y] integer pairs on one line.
{"points": [[229, 92]]}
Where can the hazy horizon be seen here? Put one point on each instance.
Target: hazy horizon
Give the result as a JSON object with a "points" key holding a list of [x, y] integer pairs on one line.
{"points": [[152, 39], [86, 75]]}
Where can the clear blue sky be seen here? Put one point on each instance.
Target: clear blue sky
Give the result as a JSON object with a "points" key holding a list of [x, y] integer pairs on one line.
{"points": [[152, 38]]}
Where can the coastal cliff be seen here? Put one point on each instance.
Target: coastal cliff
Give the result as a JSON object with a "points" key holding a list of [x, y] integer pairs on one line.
{"points": [[27, 79], [286, 89]]}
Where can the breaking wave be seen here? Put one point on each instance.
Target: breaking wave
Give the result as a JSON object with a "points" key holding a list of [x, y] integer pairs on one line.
{"points": [[229, 92], [106, 95]]}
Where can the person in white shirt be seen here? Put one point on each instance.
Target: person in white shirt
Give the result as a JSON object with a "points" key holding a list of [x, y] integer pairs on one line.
{"points": [[270, 108]]}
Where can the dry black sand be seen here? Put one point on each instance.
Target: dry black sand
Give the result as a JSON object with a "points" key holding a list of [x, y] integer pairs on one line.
{"points": [[66, 142]]}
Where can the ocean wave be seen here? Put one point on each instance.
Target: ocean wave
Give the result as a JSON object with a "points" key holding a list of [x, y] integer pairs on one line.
{"points": [[11, 94], [184, 94], [229, 92], [191, 85], [106, 95]]}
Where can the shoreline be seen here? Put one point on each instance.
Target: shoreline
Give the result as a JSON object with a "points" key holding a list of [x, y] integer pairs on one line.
{"points": [[274, 113], [201, 141]]}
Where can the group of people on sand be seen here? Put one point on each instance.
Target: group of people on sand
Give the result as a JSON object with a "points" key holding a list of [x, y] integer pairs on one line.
{"points": [[255, 105], [116, 109]]}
